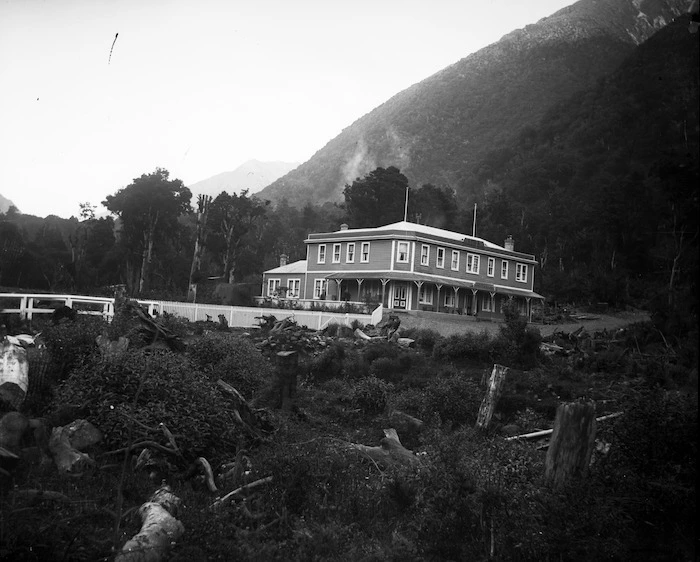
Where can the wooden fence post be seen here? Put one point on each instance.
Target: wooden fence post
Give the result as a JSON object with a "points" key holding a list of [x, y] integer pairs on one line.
{"points": [[287, 363], [493, 393], [572, 443]]}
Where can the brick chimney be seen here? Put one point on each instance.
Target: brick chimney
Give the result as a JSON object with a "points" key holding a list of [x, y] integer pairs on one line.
{"points": [[509, 244], [343, 226], [283, 260]]}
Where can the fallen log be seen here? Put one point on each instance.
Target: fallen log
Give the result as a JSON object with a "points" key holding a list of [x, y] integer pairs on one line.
{"points": [[390, 452], [544, 432], [159, 529]]}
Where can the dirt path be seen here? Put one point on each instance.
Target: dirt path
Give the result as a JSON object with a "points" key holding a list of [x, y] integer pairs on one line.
{"points": [[446, 324]]}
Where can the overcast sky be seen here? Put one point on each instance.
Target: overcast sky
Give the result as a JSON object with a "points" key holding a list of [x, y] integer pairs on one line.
{"points": [[200, 86]]}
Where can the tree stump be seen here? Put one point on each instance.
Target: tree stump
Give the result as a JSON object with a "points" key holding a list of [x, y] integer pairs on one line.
{"points": [[572, 443], [287, 364], [493, 393]]}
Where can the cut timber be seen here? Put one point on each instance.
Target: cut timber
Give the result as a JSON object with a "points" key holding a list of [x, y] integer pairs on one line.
{"points": [[208, 473], [14, 373], [159, 529], [244, 414], [389, 453], [493, 393], [573, 439]]}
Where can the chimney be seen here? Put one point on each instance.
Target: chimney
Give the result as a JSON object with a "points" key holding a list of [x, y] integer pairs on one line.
{"points": [[343, 226], [283, 260], [509, 244]]}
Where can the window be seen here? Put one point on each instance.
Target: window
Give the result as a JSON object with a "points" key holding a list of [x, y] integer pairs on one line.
{"points": [[364, 254], [440, 260], [336, 253], [402, 254], [450, 298], [293, 288], [521, 272], [472, 263], [455, 260], [490, 267], [319, 288], [487, 303], [350, 253], [321, 253], [425, 295], [273, 287], [504, 269], [425, 255]]}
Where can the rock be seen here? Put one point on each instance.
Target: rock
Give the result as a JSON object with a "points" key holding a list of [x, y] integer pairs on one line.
{"points": [[82, 434]]}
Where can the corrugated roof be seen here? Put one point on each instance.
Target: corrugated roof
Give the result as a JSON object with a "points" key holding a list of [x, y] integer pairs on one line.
{"points": [[295, 267]]}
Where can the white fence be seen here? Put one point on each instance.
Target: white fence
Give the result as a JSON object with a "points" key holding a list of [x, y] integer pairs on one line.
{"points": [[28, 305]]}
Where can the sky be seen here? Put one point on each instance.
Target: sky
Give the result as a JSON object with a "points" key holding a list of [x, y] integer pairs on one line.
{"points": [[199, 87]]}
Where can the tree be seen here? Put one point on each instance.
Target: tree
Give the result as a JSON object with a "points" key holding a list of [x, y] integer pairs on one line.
{"points": [[148, 208], [233, 217], [203, 203], [376, 199]]}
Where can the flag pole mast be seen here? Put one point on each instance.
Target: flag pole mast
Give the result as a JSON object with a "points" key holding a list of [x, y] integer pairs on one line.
{"points": [[405, 208], [474, 225]]}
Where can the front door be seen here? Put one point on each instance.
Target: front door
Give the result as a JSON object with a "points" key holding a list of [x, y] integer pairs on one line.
{"points": [[400, 295]]}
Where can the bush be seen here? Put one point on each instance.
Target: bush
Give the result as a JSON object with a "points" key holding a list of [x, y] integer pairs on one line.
{"points": [[479, 347], [371, 395], [234, 359], [517, 344], [328, 364], [72, 343], [169, 390]]}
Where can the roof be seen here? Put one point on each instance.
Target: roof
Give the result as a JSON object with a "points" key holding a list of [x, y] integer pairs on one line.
{"points": [[295, 267], [413, 228], [438, 232]]}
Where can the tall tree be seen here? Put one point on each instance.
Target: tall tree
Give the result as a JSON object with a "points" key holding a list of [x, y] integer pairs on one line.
{"points": [[232, 218], [203, 203], [376, 199], [149, 208]]}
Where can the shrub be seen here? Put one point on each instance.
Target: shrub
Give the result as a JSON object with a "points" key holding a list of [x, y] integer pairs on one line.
{"points": [[234, 359], [328, 364], [72, 343], [517, 344], [371, 394], [457, 347], [170, 392]]}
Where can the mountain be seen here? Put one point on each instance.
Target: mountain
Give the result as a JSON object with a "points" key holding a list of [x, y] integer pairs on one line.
{"points": [[438, 130], [5, 204], [253, 175]]}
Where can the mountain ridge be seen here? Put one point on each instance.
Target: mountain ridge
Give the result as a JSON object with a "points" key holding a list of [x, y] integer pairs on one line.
{"points": [[252, 175], [436, 131]]}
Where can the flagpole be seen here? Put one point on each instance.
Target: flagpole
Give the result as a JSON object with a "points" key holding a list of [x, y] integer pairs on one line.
{"points": [[405, 208], [474, 225]]}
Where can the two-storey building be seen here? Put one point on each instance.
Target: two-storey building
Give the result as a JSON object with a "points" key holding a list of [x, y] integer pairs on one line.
{"points": [[408, 266]]}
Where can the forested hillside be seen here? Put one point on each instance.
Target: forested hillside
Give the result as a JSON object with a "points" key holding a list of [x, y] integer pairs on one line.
{"points": [[604, 190], [437, 131]]}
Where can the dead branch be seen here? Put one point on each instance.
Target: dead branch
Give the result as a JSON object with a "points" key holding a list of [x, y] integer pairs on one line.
{"points": [[150, 444], [390, 451], [238, 491], [208, 473]]}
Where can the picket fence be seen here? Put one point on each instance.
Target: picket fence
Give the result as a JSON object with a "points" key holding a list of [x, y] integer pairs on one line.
{"points": [[29, 305]]}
